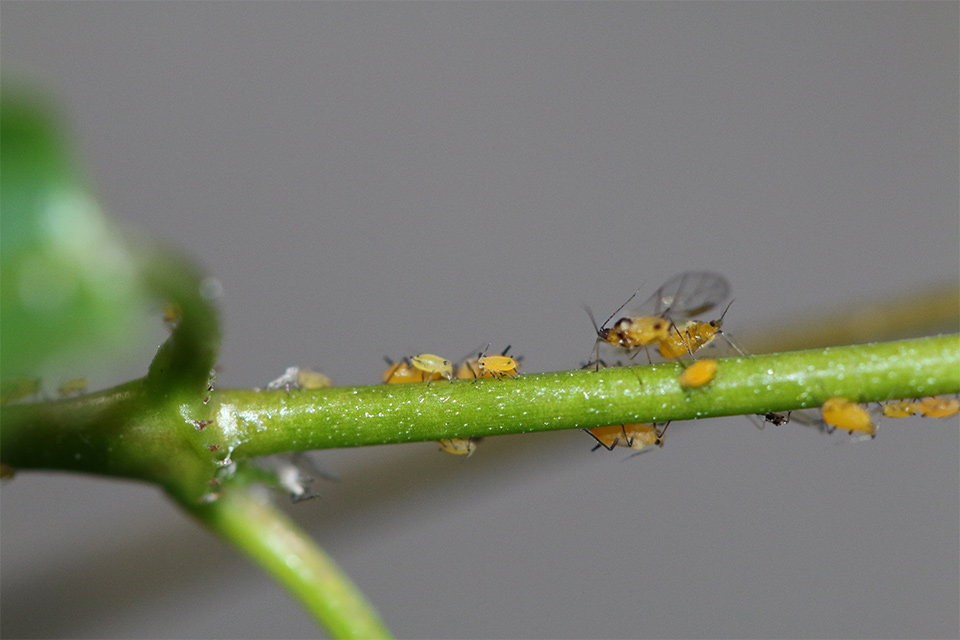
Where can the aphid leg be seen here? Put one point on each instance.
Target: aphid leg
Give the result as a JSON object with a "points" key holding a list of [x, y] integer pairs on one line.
{"points": [[660, 432], [393, 370], [476, 374], [600, 443]]}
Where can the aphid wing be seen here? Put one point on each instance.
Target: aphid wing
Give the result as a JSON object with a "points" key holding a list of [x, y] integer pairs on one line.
{"points": [[685, 295]]}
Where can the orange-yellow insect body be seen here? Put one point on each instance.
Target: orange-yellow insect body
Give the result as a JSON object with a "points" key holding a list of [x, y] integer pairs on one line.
{"points": [[630, 436], [698, 374], [938, 407], [633, 333], [849, 416], [693, 336], [459, 446], [496, 366], [431, 364], [683, 296], [899, 409], [401, 372]]}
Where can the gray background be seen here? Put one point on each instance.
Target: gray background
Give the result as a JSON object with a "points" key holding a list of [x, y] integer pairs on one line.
{"points": [[374, 179]]}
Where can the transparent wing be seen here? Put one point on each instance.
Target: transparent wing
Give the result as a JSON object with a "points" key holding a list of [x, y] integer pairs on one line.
{"points": [[685, 295]]}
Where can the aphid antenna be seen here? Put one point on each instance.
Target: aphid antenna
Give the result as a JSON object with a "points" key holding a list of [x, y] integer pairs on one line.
{"points": [[620, 308], [484, 352], [718, 324], [719, 321]]}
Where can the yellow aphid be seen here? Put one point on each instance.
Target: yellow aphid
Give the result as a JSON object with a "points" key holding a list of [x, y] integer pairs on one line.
{"points": [[70, 387], [297, 378], [629, 436], [899, 409], [938, 407], [840, 413], [685, 295], [693, 336], [6, 472], [309, 379], [497, 366], [698, 374], [459, 446], [18, 389], [433, 365]]}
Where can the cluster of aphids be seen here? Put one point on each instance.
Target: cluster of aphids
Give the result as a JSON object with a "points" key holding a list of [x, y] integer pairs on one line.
{"points": [[428, 367], [663, 321]]}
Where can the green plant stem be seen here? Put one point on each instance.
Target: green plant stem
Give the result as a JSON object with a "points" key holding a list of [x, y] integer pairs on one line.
{"points": [[256, 423], [280, 547], [249, 424]]}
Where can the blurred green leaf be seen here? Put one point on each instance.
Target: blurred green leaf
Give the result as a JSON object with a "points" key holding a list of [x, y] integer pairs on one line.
{"points": [[67, 280]]}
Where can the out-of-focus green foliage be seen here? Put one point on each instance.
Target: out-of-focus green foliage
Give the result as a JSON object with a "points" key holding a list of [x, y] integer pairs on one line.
{"points": [[66, 278]]}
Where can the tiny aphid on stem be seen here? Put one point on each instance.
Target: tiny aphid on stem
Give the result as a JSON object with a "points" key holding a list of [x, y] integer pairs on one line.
{"points": [[898, 408], [310, 379], [698, 374], [683, 296], [459, 446], [629, 436], [938, 407], [693, 335], [433, 365], [840, 413], [496, 366]]}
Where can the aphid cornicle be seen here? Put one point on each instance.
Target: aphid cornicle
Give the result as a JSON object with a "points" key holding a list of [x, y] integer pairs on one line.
{"points": [[840, 413], [698, 374], [432, 365], [683, 296]]}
